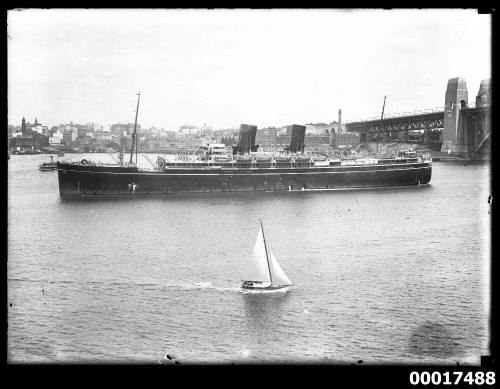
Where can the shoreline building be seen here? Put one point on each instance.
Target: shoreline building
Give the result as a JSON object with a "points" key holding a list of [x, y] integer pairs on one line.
{"points": [[266, 136], [120, 129], [29, 128], [31, 136]]}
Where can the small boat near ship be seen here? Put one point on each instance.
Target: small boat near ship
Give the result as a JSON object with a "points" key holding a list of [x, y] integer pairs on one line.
{"points": [[264, 274], [48, 165], [242, 170]]}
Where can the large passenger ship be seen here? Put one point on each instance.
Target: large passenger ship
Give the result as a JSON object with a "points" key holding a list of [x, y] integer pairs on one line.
{"points": [[244, 169]]}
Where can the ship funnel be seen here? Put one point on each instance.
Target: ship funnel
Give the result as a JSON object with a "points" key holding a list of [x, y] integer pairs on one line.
{"points": [[297, 140], [246, 139]]}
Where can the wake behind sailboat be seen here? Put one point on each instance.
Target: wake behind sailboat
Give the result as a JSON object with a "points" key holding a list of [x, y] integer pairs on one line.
{"points": [[264, 274]]}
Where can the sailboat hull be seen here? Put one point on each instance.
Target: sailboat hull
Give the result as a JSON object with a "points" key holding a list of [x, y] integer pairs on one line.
{"points": [[256, 286], [271, 289]]}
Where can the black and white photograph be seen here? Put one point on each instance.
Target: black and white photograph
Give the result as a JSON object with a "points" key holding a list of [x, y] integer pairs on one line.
{"points": [[249, 186]]}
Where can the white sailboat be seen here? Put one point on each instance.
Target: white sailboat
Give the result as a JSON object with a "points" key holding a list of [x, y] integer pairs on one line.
{"points": [[264, 272]]}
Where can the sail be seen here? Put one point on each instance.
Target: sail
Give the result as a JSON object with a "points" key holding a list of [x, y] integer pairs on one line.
{"points": [[279, 276], [257, 268]]}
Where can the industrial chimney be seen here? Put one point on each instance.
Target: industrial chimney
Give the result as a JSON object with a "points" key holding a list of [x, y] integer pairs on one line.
{"points": [[340, 120]]}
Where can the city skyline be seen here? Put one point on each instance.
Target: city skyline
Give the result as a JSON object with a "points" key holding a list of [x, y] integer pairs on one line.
{"points": [[226, 67]]}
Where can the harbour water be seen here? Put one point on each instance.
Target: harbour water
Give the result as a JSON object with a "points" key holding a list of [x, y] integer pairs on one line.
{"points": [[394, 275]]}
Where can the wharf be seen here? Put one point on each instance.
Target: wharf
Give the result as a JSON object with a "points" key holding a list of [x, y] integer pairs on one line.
{"points": [[444, 157]]}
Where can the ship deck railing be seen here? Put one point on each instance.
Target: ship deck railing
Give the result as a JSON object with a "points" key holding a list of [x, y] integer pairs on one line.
{"points": [[236, 166], [358, 162]]}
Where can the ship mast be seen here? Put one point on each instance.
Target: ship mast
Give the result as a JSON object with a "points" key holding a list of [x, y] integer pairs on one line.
{"points": [[381, 120], [134, 135], [265, 247]]}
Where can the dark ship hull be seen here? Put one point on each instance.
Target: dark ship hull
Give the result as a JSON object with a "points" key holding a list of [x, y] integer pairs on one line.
{"points": [[77, 180], [244, 171]]}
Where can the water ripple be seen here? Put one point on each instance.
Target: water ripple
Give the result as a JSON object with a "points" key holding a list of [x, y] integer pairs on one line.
{"points": [[383, 276]]}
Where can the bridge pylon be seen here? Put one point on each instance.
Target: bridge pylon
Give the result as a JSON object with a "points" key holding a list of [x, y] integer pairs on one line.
{"points": [[456, 98]]}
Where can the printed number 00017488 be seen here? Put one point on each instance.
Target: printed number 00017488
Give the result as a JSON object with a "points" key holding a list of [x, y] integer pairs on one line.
{"points": [[453, 378]]}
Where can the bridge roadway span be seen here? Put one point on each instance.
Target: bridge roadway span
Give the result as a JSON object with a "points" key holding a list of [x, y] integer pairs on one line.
{"points": [[419, 121]]}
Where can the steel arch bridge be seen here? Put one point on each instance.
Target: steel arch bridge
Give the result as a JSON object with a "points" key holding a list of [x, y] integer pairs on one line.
{"points": [[472, 127], [415, 121]]}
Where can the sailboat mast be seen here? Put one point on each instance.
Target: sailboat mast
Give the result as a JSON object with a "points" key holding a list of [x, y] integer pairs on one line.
{"points": [[381, 121], [134, 135], [265, 247]]}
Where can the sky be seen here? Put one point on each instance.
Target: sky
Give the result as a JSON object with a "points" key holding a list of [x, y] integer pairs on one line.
{"points": [[226, 67]]}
